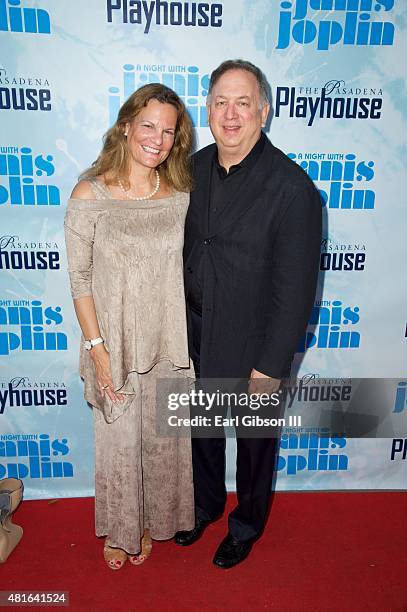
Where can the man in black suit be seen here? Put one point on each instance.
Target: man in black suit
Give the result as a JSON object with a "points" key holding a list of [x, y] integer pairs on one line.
{"points": [[252, 241]]}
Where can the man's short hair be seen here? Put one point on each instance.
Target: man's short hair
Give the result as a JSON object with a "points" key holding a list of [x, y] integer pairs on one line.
{"points": [[240, 64]]}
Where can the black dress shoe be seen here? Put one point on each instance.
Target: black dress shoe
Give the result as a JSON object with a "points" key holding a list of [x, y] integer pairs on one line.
{"points": [[231, 552], [185, 538]]}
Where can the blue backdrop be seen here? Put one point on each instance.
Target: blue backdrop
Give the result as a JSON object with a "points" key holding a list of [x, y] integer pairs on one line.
{"points": [[336, 69]]}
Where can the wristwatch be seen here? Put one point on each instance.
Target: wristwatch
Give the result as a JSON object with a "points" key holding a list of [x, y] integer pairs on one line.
{"points": [[89, 344]]}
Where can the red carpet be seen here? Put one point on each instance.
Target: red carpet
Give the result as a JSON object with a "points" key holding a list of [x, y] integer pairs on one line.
{"points": [[320, 552]]}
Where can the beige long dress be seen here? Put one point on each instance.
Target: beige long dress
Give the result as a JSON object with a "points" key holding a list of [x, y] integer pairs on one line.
{"points": [[128, 256]]}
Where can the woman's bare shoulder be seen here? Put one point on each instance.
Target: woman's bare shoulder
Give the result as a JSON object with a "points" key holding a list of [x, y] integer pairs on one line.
{"points": [[83, 191]]}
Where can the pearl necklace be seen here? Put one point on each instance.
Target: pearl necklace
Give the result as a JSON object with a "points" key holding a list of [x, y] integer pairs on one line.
{"points": [[138, 198]]}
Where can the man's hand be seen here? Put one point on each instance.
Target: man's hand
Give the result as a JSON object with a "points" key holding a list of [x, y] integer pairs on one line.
{"points": [[261, 383]]}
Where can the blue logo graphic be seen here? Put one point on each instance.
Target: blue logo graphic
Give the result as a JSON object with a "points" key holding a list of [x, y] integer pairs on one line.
{"points": [[348, 22], [19, 255], [13, 18], [186, 81], [194, 14], [310, 104], [343, 257], [19, 173], [28, 321], [327, 330], [401, 397], [340, 178], [31, 456], [311, 452]]}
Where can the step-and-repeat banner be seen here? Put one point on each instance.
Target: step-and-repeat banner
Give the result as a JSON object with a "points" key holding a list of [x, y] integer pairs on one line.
{"points": [[336, 70]]}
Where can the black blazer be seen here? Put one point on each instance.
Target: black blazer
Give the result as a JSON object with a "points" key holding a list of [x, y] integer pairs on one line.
{"points": [[260, 265]]}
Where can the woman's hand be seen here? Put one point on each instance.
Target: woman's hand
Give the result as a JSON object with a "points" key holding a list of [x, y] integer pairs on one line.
{"points": [[101, 361]]}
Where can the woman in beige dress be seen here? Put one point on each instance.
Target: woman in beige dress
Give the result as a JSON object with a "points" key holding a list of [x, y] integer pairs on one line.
{"points": [[124, 237]]}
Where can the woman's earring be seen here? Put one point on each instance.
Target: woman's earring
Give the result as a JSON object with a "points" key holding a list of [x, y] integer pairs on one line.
{"points": [[125, 133]]}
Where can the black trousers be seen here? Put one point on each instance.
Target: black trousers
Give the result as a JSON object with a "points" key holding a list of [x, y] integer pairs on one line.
{"points": [[254, 471]]}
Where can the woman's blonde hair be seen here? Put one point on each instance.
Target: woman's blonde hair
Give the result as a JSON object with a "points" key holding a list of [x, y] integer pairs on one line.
{"points": [[114, 159]]}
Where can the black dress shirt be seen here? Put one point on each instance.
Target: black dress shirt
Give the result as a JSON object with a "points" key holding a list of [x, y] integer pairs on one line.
{"points": [[224, 187]]}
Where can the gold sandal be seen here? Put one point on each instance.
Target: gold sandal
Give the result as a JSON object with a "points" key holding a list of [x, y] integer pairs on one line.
{"points": [[146, 546], [114, 557]]}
